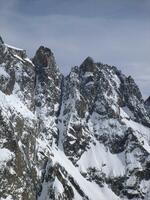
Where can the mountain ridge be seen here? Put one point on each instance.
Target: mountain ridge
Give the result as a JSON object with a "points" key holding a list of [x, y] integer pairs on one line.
{"points": [[84, 136]]}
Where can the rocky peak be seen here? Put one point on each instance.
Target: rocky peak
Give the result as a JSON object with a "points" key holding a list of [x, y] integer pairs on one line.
{"points": [[48, 80], [45, 65], [134, 88], [12, 53], [88, 65], [44, 57]]}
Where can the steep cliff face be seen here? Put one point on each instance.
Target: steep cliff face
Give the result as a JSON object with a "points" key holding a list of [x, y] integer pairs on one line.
{"points": [[83, 136], [17, 124], [147, 104]]}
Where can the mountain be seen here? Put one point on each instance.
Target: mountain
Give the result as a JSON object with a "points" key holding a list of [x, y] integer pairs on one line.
{"points": [[85, 136]]}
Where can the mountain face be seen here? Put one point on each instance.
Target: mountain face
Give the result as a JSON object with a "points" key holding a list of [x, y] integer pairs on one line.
{"points": [[147, 104], [85, 136]]}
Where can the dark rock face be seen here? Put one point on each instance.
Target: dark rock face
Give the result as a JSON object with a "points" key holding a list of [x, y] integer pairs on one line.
{"points": [[88, 65], [1, 40], [83, 137], [147, 105], [131, 91], [48, 79]]}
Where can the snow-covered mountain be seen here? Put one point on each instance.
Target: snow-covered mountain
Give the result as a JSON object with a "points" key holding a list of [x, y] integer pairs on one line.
{"points": [[85, 136]]}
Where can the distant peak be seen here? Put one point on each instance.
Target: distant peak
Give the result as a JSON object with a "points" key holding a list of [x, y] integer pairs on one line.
{"points": [[88, 64]]}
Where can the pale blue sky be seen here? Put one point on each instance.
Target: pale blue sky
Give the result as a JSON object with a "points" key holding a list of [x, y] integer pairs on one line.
{"points": [[115, 32]]}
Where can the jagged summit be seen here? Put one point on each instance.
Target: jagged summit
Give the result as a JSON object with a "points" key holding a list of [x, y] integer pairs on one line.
{"points": [[85, 136], [89, 60], [44, 51], [44, 57], [10, 52], [88, 65]]}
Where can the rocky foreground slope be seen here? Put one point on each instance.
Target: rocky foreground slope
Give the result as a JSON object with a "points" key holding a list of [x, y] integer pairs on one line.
{"points": [[85, 136]]}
